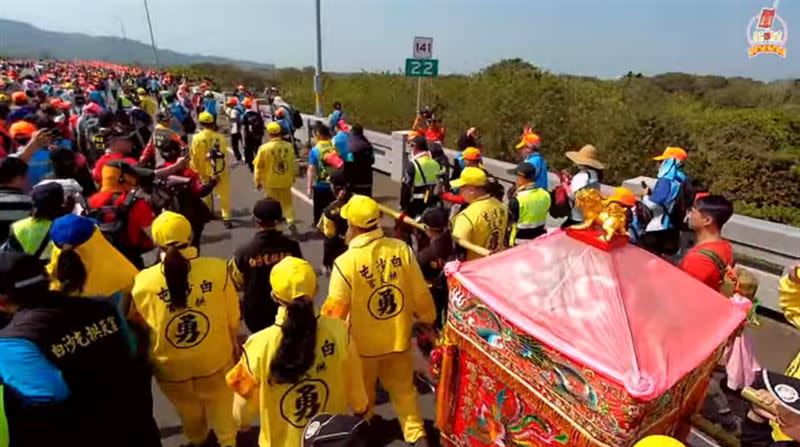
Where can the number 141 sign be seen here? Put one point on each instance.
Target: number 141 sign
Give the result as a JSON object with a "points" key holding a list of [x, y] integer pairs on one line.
{"points": [[423, 47]]}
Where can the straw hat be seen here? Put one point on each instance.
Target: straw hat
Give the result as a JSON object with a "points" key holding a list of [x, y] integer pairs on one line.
{"points": [[587, 156]]}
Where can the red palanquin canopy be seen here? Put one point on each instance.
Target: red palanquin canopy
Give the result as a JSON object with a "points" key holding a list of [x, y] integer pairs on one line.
{"points": [[625, 313]]}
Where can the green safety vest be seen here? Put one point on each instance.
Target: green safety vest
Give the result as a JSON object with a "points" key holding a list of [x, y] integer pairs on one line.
{"points": [[33, 236], [4, 435], [534, 205], [427, 171]]}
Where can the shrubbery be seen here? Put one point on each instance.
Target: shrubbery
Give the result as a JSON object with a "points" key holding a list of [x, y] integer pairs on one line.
{"points": [[743, 136]]}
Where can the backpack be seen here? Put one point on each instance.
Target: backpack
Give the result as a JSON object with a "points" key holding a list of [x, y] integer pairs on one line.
{"points": [[254, 124], [112, 220], [297, 119], [559, 202], [341, 430], [683, 203], [735, 280]]}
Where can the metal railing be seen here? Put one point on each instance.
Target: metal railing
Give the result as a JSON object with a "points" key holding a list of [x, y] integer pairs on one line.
{"points": [[757, 243]]}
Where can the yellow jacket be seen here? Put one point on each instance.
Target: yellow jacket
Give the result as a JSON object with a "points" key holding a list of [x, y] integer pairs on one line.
{"points": [[275, 165], [196, 341], [789, 294], [202, 144], [107, 271], [332, 384], [484, 223], [378, 284], [149, 105]]}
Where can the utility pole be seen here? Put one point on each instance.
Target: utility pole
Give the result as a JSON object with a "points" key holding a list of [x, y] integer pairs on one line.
{"points": [[122, 28], [318, 73], [152, 39]]}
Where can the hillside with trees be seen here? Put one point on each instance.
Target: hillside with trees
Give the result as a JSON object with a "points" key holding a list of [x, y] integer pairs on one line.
{"points": [[743, 136]]}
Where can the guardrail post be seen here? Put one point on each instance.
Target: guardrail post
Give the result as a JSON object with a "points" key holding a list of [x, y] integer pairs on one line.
{"points": [[397, 157]]}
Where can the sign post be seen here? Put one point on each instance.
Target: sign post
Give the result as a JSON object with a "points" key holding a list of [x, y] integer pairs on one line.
{"points": [[422, 65]]}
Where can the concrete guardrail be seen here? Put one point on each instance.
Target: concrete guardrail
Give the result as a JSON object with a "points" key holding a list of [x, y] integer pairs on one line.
{"points": [[754, 238]]}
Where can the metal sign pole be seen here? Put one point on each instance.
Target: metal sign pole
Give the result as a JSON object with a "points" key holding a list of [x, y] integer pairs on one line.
{"points": [[419, 94], [318, 74]]}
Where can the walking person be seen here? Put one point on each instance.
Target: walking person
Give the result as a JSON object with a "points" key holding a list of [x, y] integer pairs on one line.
{"points": [[275, 172], [252, 131], [322, 160], [190, 311], [359, 170]]}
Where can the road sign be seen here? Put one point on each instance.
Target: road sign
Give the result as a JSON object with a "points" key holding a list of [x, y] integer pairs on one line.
{"points": [[422, 68], [423, 47]]}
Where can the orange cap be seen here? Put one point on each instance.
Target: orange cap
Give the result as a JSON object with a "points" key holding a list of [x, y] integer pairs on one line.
{"points": [[623, 196], [232, 101], [19, 98], [248, 102], [471, 154], [22, 129], [280, 113], [529, 139], [673, 152]]}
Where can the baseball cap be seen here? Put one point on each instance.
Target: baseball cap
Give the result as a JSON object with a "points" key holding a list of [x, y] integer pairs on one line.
{"points": [[171, 228], [274, 128], [785, 389], [48, 195], [361, 211], [163, 116], [18, 271], [268, 211], [206, 118], [293, 278], [419, 143], [470, 176], [659, 441], [672, 152], [529, 139], [435, 218], [526, 170], [71, 229], [471, 154], [328, 430], [141, 91], [19, 98], [127, 166], [119, 131]]}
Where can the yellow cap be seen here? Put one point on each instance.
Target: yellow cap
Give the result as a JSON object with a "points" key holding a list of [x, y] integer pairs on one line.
{"points": [[206, 118], [659, 441], [470, 176], [274, 128], [141, 91], [293, 278], [361, 211], [623, 196], [4, 98], [672, 152], [171, 228]]}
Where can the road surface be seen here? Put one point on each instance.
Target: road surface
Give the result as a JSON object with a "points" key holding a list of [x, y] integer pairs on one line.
{"points": [[775, 343]]}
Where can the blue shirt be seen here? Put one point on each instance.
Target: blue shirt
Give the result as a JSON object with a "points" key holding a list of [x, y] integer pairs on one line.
{"points": [[39, 166], [540, 164], [210, 106], [333, 120], [24, 368], [340, 142]]}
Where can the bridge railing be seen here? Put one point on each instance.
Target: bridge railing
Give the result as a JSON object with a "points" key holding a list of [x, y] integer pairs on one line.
{"points": [[763, 247]]}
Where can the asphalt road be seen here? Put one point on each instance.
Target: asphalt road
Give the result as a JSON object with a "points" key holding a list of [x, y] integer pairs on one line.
{"points": [[775, 343]]}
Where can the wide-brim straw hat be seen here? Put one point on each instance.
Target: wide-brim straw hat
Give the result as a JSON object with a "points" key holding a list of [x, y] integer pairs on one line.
{"points": [[586, 156]]}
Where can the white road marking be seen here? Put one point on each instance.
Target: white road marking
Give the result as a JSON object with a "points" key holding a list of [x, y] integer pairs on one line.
{"points": [[302, 196]]}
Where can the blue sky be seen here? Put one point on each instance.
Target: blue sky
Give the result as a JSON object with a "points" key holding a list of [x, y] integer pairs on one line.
{"points": [[604, 38]]}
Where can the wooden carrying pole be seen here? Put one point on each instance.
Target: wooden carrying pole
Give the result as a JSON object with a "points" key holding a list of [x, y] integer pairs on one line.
{"points": [[413, 223]]}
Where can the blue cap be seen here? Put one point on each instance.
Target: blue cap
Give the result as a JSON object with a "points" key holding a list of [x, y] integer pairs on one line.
{"points": [[71, 229]]}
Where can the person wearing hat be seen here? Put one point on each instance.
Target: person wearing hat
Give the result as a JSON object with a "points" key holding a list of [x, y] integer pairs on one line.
{"points": [[123, 216], [301, 366], [275, 169], [332, 225], [470, 156], [208, 153], [118, 141], [669, 202], [377, 286], [484, 222], [778, 406], [190, 312], [420, 179], [527, 210], [659, 441], [20, 108], [84, 263], [528, 148], [234, 112], [789, 301], [163, 140], [31, 234], [148, 103], [434, 256], [323, 159], [68, 375], [253, 261], [590, 175], [252, 131]]}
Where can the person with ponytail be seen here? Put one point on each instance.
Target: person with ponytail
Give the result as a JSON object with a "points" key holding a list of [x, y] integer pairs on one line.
{"points": [[301, 366], [190, 311], [83, 262]]}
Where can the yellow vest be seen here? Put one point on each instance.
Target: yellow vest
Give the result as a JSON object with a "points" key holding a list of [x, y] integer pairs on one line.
{"points": [[202, 143], [149, 105], [195, 341], [379, 285], [331, 385], [107, 271], [275, 165], [484, 223]]}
